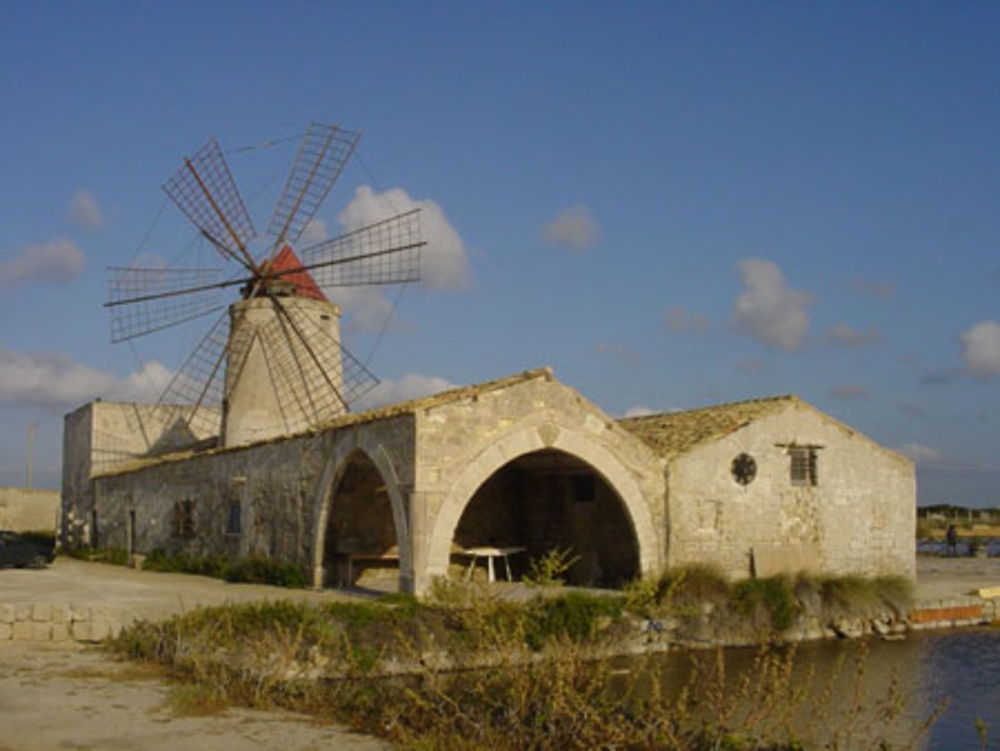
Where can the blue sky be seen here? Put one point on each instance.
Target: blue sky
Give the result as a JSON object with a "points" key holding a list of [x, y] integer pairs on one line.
{"points": [[671, 204]]}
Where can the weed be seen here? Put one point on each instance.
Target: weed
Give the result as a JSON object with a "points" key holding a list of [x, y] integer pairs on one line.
{"points": [[773, 596], [548, 569]]}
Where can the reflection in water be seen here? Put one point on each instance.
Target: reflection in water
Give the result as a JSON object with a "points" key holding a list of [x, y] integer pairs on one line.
{"points": [[956, 674]]}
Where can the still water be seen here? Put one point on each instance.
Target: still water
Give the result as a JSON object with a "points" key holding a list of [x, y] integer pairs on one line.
{"points": [[954, 675]]}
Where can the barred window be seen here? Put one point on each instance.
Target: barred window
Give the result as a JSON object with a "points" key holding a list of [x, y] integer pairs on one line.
{"points": [[184, 518], [803, 466]]}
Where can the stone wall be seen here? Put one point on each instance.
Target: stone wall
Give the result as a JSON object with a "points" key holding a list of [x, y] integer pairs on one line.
{"points": [[858, 518], [461, 444], [28, 509]]}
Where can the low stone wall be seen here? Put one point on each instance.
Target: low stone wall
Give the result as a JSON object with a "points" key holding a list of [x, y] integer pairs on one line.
{"points": [[46, 622]]}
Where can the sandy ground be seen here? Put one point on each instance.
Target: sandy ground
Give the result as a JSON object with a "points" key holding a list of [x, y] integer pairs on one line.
{"points": [[54, 698]]}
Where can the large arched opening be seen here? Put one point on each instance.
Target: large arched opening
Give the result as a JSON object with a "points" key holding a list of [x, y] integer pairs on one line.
{"points": [[547, 500], [360, 545]]}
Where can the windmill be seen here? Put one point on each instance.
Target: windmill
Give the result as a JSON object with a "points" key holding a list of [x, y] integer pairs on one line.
{"points": [[273, 362]]}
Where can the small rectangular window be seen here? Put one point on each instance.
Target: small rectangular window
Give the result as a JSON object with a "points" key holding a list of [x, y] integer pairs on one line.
{"points": [[235, 524], [803, 466], [184, 518]]}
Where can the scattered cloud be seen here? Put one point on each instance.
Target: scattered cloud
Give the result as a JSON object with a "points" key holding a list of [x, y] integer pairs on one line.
{"points": [[847, 336], [913, 410], [849, 391], [410, 386], [620, 352], [55, 380], [573, 228], [749, 365], [313, 233], [768, 309], [56, 261], [84, 211], [639, 411], [918, 453], [366, 309], [981, 348], [869, 288], [443, 261], [680, 321]]}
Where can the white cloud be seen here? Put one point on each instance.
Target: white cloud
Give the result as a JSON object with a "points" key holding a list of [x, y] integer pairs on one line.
{"points": [[56, 261], [443, 261], [573, 228], [410, 386], [918, 453], [849, 391], [639, 411], [769, 310], [84, 211], [50, 379], [847, 336], [367, 309], [680, 321], [313, 233], [981, 348]]}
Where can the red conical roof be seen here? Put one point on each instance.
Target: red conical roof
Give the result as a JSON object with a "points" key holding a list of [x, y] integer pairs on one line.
{"points": [[304, 284]]}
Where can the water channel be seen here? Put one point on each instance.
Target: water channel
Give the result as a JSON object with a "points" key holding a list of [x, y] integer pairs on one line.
{"points": [[953, 674]]}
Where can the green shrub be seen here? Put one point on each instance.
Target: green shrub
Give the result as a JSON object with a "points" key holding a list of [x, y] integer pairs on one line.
{"points": [[572, 617], [548, 570], [256, 570], [774, 595]]}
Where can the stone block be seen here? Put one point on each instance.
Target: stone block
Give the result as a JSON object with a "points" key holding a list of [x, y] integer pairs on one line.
{"points": [[7, 613], [41, 631], [80, 630], [100, 630], [6, 631], [60, 614], [79, 614], [22, 631], [22, 611], [60, 632], [41, 612]]}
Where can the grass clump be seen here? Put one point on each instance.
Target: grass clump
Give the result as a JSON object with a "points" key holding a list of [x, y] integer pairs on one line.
{"points": [[113, 556], [771, 599], [251, 570]]}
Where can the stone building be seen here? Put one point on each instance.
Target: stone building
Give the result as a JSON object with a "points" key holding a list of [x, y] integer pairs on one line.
{"points": [[524, 464]]}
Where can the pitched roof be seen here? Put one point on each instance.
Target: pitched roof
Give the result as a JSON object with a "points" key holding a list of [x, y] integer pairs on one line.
{"points": [[356, 418], [673, 433], [305, 285]]}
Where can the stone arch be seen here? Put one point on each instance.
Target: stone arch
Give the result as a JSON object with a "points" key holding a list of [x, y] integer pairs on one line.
{"points": [[330, 477], [525, 441]]}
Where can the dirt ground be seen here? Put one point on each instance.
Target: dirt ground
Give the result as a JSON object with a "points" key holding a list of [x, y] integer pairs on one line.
{"points": [[55, 698]]}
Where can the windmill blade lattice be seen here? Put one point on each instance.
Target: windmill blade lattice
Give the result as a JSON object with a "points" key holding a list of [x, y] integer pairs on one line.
{"points": [[204, 189], [324, 151], [144, 300], [322, 377], [387, 252]]}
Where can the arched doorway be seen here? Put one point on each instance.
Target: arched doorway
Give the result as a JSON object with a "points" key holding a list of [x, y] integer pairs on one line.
{"points": [[550, 500], [360, 546]]}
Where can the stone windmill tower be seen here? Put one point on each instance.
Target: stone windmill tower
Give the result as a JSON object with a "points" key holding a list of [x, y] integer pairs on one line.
{"points": [[273, 362]]}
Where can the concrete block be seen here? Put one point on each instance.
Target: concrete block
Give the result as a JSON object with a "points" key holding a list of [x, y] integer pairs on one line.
{"points": [[41, 631], [60, 632], [60, 614], [22, 631], [22, 611], [41, 612], [6, 631], [7, 613], [80, 630]]}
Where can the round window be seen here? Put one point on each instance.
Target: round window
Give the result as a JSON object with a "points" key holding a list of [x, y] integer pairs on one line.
{"points": [[744, 469]]}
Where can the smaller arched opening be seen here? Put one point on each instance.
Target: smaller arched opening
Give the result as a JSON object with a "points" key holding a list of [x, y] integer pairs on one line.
{"points": [[549, 500], [360, 545]]}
